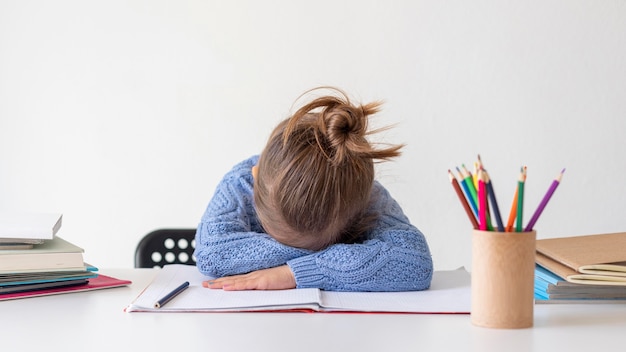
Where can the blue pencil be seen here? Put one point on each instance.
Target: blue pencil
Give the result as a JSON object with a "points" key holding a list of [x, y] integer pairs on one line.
{"points": [[171, 295], [468, 193], [494, 203]]}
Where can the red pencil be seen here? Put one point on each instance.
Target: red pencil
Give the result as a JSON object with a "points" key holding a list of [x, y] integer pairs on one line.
{"points": [[459, 193], [482, 202]]}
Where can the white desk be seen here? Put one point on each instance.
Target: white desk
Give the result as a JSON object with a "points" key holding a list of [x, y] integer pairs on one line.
{"points": [[95, 321]]}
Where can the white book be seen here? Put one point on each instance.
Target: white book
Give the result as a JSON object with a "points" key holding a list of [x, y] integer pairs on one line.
{"points": [[29, 227], [56, 254], [449, 293]]}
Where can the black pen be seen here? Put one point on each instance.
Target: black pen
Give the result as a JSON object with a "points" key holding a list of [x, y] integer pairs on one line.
{"points": [[160, 303]]}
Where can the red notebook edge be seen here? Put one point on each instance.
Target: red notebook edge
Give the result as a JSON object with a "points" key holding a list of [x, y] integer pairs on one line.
{"points": [[97, 283]]}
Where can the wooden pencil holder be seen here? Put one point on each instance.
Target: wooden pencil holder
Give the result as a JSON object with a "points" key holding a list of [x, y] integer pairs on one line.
{"points": [[503, 269]]}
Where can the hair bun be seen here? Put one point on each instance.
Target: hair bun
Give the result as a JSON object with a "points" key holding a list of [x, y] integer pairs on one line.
{"points": [[345, 127], [338, 127]]}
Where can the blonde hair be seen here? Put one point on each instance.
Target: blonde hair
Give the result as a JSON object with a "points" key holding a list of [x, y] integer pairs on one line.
{"points": [[315, 175]]}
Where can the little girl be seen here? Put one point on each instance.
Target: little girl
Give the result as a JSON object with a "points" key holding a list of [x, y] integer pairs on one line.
{"points": [[307, 212]]}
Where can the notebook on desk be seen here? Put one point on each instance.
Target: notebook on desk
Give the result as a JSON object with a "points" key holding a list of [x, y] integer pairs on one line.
{"points": [[592, 259], [449, 294], [97, 283]]}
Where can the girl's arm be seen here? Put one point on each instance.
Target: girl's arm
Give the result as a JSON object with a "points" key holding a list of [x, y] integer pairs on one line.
{"points": [[394, 257], [229, 239]]}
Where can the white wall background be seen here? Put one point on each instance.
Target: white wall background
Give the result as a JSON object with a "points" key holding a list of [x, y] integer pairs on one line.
{"points": [[124, 115]]}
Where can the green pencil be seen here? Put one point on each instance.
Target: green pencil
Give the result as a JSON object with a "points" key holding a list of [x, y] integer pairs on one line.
{"points": [[470, 183], [520, 200]]}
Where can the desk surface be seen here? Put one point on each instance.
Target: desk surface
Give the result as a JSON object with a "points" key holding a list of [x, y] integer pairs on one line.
{"points": [[96, 321]]}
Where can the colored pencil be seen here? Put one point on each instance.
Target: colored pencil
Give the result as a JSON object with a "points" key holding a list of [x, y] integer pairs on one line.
{"points": [[512, 213], [544, 201], [494, 202], [482, 202], [466, 188], [160, 303], [478, 165], [475, 175], [470, 183], [459, 193], [520, 200]]}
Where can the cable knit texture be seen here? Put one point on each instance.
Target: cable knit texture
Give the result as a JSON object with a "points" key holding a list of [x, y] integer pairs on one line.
{"points": [[394, 256]]}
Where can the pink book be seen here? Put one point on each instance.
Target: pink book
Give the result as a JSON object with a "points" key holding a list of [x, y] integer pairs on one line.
{"points": [[97, 283]]}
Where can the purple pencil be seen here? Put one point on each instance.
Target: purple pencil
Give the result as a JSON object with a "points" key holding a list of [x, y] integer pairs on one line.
{"points": [[544, 201]]}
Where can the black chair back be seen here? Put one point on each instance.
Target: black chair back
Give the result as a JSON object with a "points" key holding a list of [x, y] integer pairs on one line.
{"points": [[166, 246]]}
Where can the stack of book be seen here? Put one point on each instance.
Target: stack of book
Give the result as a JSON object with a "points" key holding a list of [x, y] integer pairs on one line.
{"points": [[35, 261], [23, 230], [581, 269]]}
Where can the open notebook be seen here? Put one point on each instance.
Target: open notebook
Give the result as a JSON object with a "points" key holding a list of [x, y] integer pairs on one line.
{"points": [[449, 293]]}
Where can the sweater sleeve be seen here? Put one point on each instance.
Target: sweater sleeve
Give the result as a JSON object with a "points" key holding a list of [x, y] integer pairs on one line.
{"points": [[229, 238], [394, 257]]}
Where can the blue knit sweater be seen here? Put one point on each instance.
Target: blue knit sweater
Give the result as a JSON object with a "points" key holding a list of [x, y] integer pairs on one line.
{"points": [[393, 256]]}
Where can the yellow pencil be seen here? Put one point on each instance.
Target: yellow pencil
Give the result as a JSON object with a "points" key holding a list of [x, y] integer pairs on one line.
{"points": [[475, 175]]}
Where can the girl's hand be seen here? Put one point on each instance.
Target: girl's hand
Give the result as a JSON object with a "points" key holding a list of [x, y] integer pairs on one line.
{"points": [[278, 278]]}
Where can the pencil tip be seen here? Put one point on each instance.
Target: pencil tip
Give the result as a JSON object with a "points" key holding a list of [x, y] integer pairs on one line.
{"points": [[562, 171]]}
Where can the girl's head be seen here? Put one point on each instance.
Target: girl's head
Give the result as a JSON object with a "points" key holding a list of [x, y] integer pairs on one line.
{"points": [[314, 178]]}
